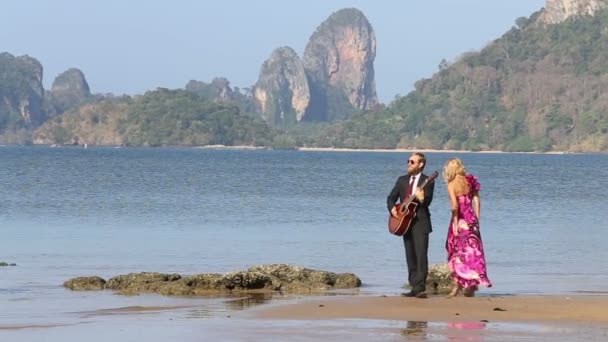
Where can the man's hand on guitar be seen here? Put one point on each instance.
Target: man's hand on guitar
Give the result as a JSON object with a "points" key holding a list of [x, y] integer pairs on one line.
{"points": [[420, 195], [394, 212]]}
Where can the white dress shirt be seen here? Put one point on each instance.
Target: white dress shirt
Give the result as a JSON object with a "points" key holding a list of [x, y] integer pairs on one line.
{"points": [[416, 180]]}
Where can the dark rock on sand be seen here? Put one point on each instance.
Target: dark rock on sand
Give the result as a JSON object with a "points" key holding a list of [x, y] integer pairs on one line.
{"points": [[300, 279], [439, 280], [264, 278]]}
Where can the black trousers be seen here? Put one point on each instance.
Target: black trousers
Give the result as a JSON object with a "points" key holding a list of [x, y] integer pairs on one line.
{"points": [[416, 243]]}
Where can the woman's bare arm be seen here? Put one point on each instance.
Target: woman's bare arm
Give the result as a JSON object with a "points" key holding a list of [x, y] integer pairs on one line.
{"points": [[477, 205], [454, 207]]}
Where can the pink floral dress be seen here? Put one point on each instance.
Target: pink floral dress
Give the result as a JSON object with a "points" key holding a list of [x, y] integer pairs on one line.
{"points": [[466, 258]]}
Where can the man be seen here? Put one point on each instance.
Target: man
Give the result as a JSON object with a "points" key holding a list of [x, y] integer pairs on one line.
{"points": [[416, 240]]}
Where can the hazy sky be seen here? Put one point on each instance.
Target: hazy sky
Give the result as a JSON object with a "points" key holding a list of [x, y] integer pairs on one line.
{"points": [[130, 47]]}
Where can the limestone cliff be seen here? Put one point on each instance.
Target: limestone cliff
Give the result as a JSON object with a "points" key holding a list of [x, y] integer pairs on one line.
{"points": [[281, 92], [218, 90], [557, 11], [339, 62], [21, 91], [69, 90]]}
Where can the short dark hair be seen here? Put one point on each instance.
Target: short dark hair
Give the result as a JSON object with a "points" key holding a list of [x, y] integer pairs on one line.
{"points": [[422, 158]]}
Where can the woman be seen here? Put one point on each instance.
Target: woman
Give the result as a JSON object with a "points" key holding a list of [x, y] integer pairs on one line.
{"points": [[465, 249]]}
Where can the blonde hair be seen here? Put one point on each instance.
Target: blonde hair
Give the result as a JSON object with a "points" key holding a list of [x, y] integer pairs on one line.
{"points": [[453, 167]]}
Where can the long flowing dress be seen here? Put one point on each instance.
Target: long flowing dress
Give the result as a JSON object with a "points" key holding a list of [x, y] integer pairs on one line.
{"points": [[466, 258]]}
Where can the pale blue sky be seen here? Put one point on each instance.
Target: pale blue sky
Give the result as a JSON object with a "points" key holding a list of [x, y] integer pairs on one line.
{"points": [[130, 47]]}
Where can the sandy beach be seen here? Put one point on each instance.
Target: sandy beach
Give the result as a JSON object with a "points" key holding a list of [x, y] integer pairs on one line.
{"points": [[500, 318], [382, 150], [339, 318], [570, 309], [330, 149], [404, 150]]}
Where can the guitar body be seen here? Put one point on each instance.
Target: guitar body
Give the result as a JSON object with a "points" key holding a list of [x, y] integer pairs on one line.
{"points": [[406, 211], [405, 215]]}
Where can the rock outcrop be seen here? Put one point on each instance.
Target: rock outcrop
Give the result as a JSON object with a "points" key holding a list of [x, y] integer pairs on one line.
{"points": [[439, 279], [264, 278], [69, 90], [557, 11], [85, 283], [218, 90], [21, 90], [339, 62], [281, 92]]}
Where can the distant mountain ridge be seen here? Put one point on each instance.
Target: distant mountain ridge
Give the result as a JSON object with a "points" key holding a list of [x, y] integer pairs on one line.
{"points": [[536, 88], [542, 86]]}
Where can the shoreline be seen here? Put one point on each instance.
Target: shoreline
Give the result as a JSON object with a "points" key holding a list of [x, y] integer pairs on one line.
{"points": [[317, 149], [405, 150], [555, 309], [333, 318]]}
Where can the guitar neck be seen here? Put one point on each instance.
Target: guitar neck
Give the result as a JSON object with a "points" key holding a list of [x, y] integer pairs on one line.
{"points": [[424, 184], [413, 195]]}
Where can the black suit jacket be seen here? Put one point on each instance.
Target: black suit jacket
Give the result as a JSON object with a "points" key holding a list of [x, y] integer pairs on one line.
{"points": [[422, 221]]}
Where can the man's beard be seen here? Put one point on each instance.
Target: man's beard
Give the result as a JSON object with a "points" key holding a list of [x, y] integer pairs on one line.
{"points": [[414, 172]]}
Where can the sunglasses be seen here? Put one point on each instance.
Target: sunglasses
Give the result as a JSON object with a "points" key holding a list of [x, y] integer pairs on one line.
{"points": [[411, 161]]}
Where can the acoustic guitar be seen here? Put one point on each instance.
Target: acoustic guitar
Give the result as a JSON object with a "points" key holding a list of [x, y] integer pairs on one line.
{"points": [[406, 211]]}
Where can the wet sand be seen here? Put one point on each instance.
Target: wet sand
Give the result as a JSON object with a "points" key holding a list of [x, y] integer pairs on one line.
{"points": [[503, 318], [571, 309], [32, 326], [336, 318]]}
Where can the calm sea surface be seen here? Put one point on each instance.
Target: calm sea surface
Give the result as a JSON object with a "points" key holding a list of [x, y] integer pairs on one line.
{"points": [[67, 212]]}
